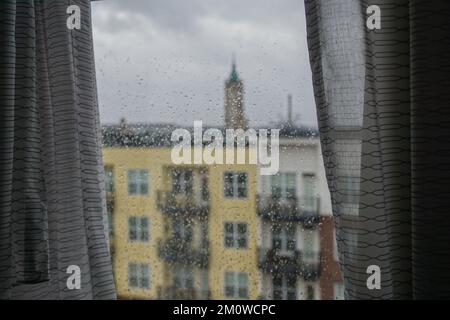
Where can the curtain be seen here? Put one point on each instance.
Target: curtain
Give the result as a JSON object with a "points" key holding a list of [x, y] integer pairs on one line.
{"points": [[52, 202], [382, 99]]}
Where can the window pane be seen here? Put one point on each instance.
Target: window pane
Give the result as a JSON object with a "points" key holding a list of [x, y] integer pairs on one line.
{"points": [[144, 229], [132, 188], [242, 185], [276, 186], [309, 292], [188, 182], [277, 294], [291, 185], [144, 188], [242, 228], [132, 275], [132, 228], [228, 184]]}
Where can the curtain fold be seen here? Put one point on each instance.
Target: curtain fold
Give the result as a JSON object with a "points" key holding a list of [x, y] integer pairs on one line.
{"points": [[52, 205], [383, 108]]}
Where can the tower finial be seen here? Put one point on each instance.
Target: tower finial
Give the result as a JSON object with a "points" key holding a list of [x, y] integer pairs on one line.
{"points": [[233, 75]]}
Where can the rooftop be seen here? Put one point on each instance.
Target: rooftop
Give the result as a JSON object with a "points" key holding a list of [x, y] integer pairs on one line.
{"points": [[158, 134]]}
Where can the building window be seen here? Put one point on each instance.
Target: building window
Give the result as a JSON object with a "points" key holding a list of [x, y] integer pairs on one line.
{"points": [[236, 285], [284, 185], [182, 181], [109, 179], [137, 182], [183, 278], [138, 229], [182, 230], [235, 184], [309, 245], [139, 275], [235, 235], [310, 292], [283, 238], [310, 200], [339, 291], [284, 287]]}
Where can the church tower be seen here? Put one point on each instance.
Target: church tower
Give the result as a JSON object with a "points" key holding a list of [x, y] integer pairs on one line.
{"points": [[234, 101]]}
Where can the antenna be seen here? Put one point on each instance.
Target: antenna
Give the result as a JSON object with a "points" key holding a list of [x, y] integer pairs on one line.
{"points": [[289, 109]]}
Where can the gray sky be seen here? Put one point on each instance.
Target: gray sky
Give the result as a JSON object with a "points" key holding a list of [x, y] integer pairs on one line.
{"points": [[167, 60]]}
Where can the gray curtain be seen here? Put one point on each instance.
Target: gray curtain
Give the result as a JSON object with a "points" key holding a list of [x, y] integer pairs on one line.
{"points": [[383, 105], [52, 203]]}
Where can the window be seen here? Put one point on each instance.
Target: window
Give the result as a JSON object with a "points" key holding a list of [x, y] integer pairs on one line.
{"points": [[109, 179], [182, 230], [235, 235], [309, 200], [235, 184], [139, 275], [182, 181], [339, 291], [310, 292], [183, 278], [284, 287], [309, 242], [137, 182], [205, 219], [283, 238], [284, 185], [138, 229], [236, 285]]}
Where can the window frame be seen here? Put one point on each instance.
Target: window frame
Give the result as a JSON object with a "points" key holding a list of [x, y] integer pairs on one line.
{"points": [[141, 230], [284, 288], [140, 179], [233, 237], [239, 284], [284, 235], [286, 191], [142, 275], [233, 187]]}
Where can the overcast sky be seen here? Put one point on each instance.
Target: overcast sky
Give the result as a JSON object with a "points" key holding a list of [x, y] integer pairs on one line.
{"points": [[167, 60]]}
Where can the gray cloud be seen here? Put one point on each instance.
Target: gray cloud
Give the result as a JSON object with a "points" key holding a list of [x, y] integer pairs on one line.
{"points": [[166, 60]]}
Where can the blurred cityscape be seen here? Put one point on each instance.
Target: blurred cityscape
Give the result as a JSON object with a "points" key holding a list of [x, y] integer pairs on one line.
{"points": [[219, 231]]}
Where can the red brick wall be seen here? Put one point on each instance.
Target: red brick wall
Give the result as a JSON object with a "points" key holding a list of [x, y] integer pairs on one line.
{"points": [[330, 272]]}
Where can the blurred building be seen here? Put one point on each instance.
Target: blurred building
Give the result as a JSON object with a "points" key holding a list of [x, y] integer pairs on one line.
{"points": [[179, 232], [219, 231], [297, 256]]}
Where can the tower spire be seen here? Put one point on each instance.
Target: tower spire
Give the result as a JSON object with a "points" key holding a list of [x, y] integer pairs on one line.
{"points": [[233, 75], [234, 100]]}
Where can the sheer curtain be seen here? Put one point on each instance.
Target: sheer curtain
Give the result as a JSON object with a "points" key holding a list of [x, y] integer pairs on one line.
{"points": [[51, 174], [382, 100]]}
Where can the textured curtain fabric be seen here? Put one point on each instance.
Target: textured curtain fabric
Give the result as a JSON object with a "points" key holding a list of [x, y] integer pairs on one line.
{"points": [[51, 175], [383, 105]]}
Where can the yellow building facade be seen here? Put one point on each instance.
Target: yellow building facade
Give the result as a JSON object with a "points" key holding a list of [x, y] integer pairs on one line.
{"points": [[181, 231]]}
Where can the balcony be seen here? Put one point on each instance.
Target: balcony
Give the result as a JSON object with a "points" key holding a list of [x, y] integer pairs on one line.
{"points": [[288, 262], [274, 261], [175, 293], [181, 204], [175, 250], [311, 270], [304, 210]]}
